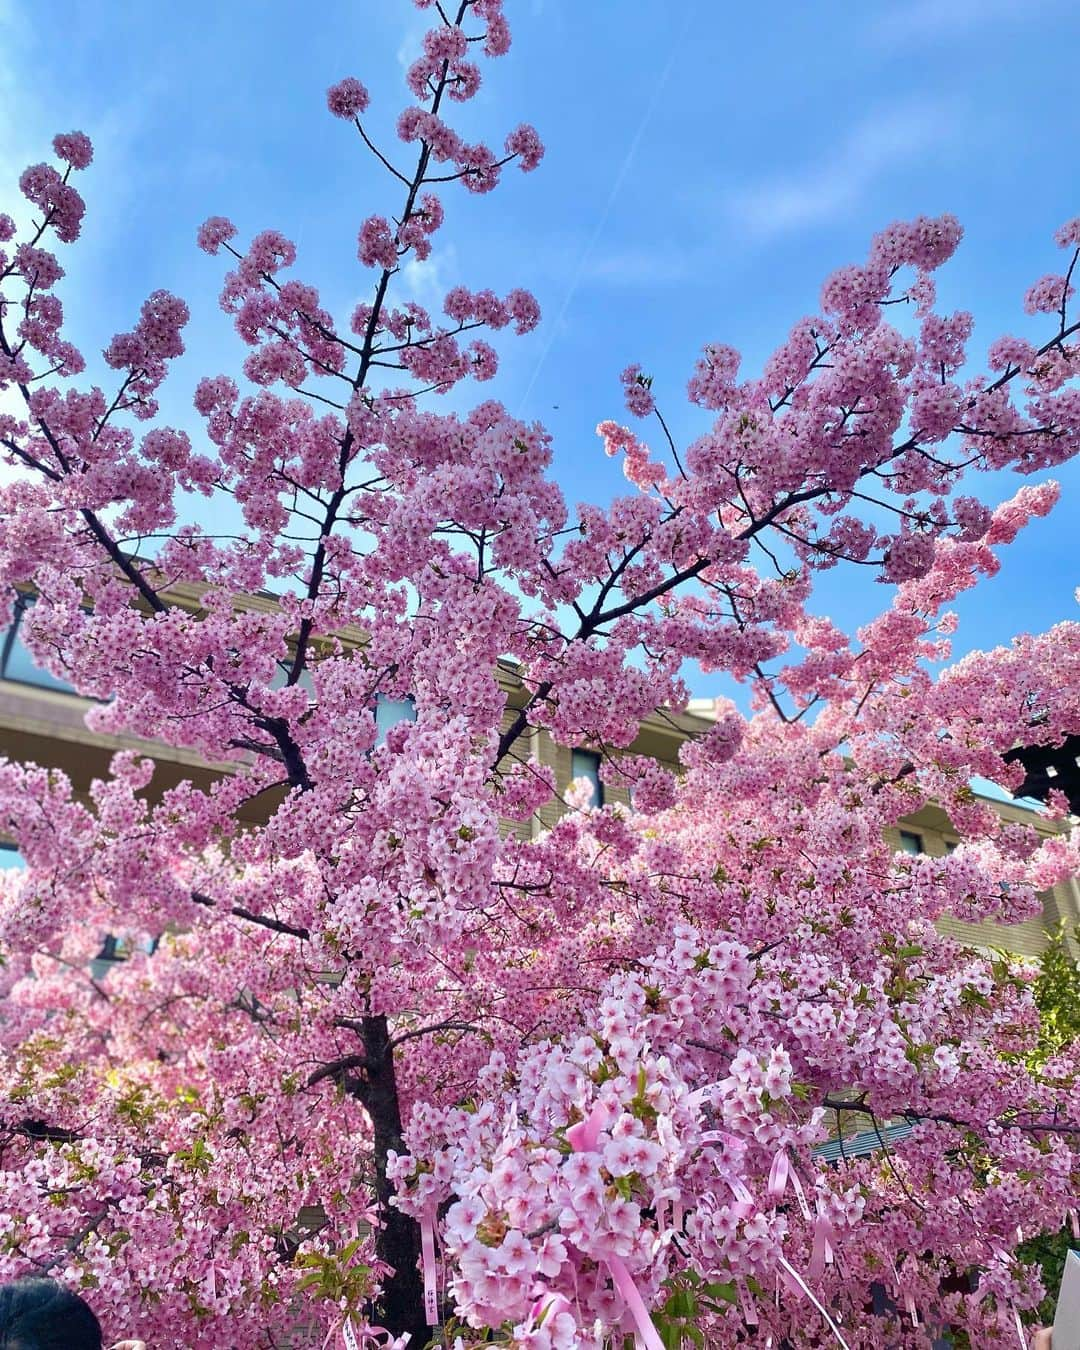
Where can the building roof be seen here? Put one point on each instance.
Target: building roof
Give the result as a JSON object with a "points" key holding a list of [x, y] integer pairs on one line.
{"points": [[864, 1143]]}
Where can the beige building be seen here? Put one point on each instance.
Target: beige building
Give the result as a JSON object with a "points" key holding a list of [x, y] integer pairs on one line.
{"points": [[928, 831], [42, 721]]}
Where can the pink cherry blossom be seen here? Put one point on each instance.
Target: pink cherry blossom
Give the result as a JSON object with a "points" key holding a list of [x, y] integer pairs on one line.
{"points": [[527, 146], [215, 232], [75, 148], [391, 977], [348, 98]]}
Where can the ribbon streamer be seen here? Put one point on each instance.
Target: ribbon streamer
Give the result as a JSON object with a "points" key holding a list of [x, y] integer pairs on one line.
{"points": [[369, 1336], [646, 1333], [583, 1138], [791, 1275], [742, 1195], [907, 1299], [731, 1142], [780, 1174], [824, 1238], [1000, 1254], [549, 1305]]}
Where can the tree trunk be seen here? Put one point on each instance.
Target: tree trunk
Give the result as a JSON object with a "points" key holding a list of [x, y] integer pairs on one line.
{"points": [[401, 1305]]}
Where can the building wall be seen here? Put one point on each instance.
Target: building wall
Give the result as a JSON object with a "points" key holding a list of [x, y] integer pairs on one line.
{"points": [[1060, 905]]}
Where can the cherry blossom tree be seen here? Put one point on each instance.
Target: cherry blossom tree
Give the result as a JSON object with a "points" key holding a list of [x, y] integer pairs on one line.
{"points": [[390, 1068]]}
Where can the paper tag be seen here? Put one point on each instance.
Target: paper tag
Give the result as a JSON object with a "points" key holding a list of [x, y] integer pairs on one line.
{"points": [[747, 1306], [427, 1250]]}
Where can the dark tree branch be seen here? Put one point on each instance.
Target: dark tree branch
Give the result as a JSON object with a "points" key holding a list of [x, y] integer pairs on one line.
{"points": [[432, 1030], [338, 1069], [263, 920]]}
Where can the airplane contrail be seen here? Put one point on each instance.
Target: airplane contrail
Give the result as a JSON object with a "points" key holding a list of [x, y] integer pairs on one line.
{"points": [[620, 178]]}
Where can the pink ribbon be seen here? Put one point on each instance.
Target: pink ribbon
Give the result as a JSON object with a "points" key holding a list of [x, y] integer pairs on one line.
{"points": [[427, 1253], [780, 1174], [549, 1305], [369, 1336], [822, 1254], [668, 1231], [732, 1145], [583, 1138], [1075, 1221], [585, 1135], [624, 1283], [745, 1201], [824, 1237], [731, 1142]]}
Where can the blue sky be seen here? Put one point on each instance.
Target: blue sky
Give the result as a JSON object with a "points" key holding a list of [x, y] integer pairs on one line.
{"points": [[708, 164]]}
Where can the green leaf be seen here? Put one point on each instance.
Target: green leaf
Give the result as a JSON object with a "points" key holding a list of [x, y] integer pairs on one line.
{"points": [[727, 1292]]}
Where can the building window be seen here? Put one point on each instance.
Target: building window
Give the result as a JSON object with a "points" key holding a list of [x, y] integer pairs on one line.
{"points": [[111, 954], [910, 842], [389, 712], [11, 858], [586, 764], [16, 662], [115, 950], [112, 949], [951, 845]]}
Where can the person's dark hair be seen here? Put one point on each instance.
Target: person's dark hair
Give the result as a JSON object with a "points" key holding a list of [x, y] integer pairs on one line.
{"points": [[44, 1315]]}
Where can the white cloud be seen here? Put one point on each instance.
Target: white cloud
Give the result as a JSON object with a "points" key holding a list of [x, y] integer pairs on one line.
{"points": [[822, 192], [933, 20], [412, 40], [426, 283]]}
